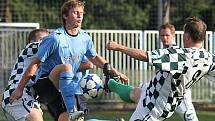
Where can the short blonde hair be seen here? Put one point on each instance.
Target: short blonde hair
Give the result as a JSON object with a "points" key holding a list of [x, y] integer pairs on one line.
{"points": [[169, 26], [68, 5]]}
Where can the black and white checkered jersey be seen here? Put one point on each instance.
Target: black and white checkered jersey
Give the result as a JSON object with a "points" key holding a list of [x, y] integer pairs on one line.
{"points": [[179, 69], [22, 62]]}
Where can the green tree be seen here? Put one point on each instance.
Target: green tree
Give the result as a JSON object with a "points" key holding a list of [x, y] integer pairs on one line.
{"points": [[112, 14], [45, 12], [180, 10]]}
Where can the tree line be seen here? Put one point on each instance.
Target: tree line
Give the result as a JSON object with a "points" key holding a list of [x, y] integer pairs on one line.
{"points": [[110, 14]]}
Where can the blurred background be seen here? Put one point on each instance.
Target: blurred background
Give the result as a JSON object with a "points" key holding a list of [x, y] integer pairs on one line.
{"points": [[133, 23], [112, 14]]}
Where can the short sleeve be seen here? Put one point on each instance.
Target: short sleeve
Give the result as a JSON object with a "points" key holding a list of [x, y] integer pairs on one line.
{"points": [[170, 59], [46, 48], [91, 51], [211, 72]]}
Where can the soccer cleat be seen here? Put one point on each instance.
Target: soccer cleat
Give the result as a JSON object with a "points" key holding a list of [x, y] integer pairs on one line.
{"points": [[108, 73], [86, 111], [107, 70], [76, 115]]}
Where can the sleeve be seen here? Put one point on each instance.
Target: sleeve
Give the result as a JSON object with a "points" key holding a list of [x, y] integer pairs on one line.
{"points": [[91, 51], [211, 72], [168, 59], [46, 48], [29, 50], [85, 59], [158, 57]]}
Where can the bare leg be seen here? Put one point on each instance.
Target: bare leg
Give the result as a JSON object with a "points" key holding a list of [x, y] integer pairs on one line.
{"points": [[64, 117], [54, 76], [135, 94], [35, 115]]}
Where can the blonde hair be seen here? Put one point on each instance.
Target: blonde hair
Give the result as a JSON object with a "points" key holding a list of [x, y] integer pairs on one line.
{"points": [[169, 26], [68, 5]]}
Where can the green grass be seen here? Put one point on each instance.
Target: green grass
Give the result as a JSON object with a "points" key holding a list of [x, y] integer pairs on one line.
{"points": [[110, 115]]}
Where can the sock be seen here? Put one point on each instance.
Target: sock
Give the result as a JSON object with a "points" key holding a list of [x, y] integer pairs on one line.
{"points": [[67, 90], [122, 90]]}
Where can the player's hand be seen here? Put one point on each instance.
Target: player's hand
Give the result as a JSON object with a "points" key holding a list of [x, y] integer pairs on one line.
{"points": [[124, 79], [113, 46], [16, 94]]}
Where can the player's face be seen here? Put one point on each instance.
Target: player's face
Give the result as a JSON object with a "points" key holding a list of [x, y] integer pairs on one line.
{"points": [[74, 17], [166, 37]]}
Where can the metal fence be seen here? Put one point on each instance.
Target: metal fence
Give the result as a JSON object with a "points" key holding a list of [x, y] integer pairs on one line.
{"points": [[13, 40]]}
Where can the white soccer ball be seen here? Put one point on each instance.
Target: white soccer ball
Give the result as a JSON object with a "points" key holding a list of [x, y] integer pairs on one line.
{"points": [[91, 86]]}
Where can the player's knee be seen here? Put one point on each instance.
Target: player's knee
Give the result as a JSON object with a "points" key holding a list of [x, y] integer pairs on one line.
{"points": [[64, 67], [135, 94], [190, 115]]}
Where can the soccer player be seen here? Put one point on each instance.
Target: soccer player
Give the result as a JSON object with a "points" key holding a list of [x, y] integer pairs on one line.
{"points": [[17, 110], [57, 107], [26, 107], [185, 109], [178, 69], [58, 59]]}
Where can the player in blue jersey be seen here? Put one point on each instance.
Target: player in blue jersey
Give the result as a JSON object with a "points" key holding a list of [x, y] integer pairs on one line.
{"points": [[28, 107], [58, 59], [57, 107], [80, 99], [178, 69]]}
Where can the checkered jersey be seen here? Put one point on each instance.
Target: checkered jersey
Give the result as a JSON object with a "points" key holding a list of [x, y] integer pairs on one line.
{"points": [[179, 69], [22, 62]]}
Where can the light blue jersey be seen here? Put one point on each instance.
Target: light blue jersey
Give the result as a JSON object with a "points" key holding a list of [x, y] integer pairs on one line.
{"points": [[79, 75], [61, 48]]}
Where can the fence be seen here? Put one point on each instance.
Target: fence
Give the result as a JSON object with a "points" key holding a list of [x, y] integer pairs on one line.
{"points": [[13, 40]]}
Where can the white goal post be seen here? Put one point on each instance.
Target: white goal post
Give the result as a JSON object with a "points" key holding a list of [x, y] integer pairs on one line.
{"points": [[20, 25]]}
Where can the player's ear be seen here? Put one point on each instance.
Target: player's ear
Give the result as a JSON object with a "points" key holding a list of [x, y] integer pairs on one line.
{"points": [[64, 16]]}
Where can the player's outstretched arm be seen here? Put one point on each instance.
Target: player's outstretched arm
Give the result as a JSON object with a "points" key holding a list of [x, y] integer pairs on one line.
{"points": [[100, 61], [30, 71], [133, 52]]}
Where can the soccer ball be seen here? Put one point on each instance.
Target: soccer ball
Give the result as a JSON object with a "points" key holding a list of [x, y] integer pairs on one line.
{"points": [[91, 86]]}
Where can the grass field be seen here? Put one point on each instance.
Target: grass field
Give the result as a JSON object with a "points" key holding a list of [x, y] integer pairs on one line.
{"points": [[111, 115], [202, 115]]}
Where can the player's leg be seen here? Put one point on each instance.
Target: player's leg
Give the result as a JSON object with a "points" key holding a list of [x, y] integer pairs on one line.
{"points": [[124, 91], [186, 109], [81, 103], [141, 113], [49, 95], [135, 94], [35, 115], [20, 110], [62, 77]]}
